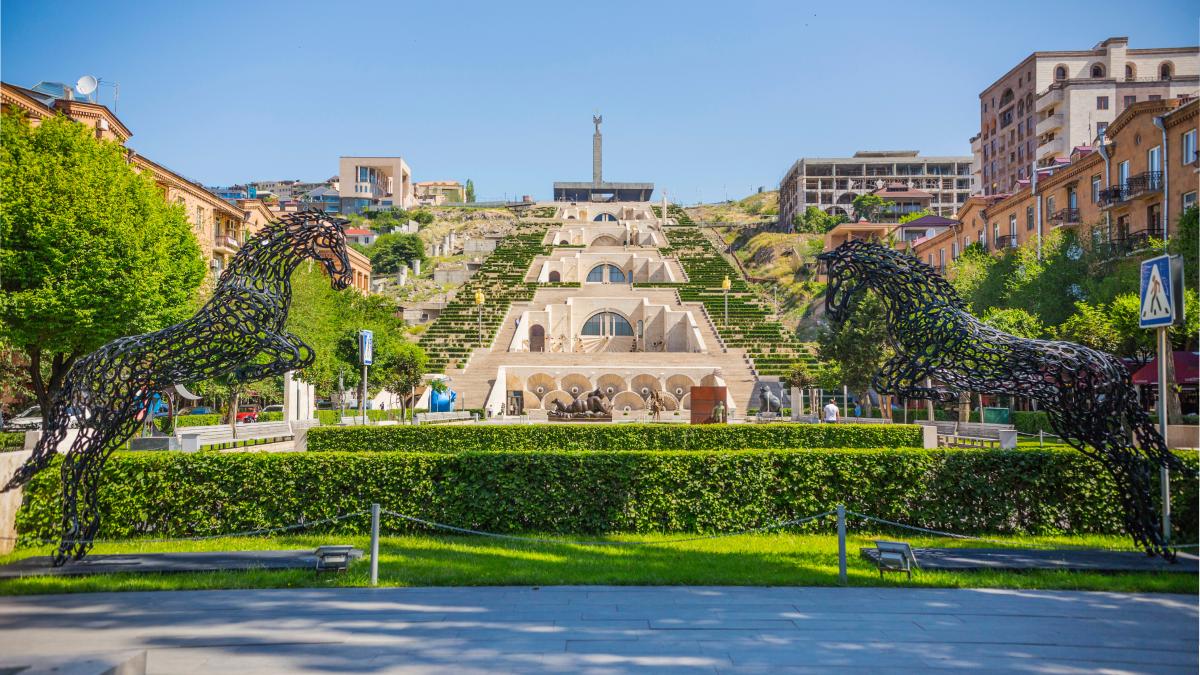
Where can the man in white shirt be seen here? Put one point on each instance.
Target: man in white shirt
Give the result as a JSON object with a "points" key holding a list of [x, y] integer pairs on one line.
{"points": [[831, 412]]}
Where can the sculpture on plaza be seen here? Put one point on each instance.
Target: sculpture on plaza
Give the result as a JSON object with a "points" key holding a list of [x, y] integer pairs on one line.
{"points": [[592, 405], [767, 400], [1086, 394], [239, 335]]}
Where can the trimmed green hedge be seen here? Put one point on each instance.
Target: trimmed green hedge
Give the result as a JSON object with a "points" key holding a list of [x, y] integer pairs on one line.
{"points": [[966, 491], [11, 440], [598, 437]]}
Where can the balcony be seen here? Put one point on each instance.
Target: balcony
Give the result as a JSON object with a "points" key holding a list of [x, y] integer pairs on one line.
{"points": [[1113, 195], [1052, 97], [1006, 241], [1130, 242], [1053, 148], [1143, 184], [223, 243], [1051, 123], [1064, 217]]}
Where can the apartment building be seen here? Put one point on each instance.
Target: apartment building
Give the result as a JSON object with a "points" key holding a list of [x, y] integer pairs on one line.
{"points": [[1055, 101], [374, 182], [220, 227], [831, 184], [435, 192], [1118, 195]]}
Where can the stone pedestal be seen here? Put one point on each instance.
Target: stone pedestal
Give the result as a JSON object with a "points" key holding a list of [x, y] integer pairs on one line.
{"points": [[299, 399]]}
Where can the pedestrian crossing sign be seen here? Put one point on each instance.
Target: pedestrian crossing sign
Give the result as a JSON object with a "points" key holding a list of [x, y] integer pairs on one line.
{"points": [[1162, 292]]}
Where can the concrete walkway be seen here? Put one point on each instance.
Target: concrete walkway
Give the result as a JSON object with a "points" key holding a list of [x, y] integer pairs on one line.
{"points": [[609, 630]]}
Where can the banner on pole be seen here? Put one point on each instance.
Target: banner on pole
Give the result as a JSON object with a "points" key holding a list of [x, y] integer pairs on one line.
{"points": [[366, 346]]}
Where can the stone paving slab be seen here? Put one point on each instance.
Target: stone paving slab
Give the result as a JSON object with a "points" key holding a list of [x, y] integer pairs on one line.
{"points": [[676, 629], [200, 561], [1011, 559]]}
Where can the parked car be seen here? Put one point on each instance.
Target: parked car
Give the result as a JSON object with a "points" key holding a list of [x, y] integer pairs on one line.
{"points": [[198, 410], [30, 419], [273, 408], [324, 404], [247, 414]]}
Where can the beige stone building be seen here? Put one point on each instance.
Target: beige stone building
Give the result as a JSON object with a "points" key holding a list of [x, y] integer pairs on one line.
{"points": [[435, 192], [1054, 101], [374, 183]]}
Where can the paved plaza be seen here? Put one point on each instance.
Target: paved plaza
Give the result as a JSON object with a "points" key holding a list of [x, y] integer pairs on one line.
{"points": [[601, 629]]}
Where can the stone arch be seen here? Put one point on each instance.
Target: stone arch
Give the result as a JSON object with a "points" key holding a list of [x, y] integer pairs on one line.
{"points": [[680, 385], [611, 384], [605, 273], [1166, 70], [837, 211], [1006, 97], [604, 218], [1096, 71], [1060, 72], [628, 401], [605, 240], [556, 395], [643, 384], [537, 338], [1130, 70], [576, 384], [606, 323], [555, 276], [541, 384]]}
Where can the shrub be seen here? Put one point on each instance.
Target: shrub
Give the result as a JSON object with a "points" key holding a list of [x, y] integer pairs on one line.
{"points": [[12, 440], [967, 491], [625, 437]]}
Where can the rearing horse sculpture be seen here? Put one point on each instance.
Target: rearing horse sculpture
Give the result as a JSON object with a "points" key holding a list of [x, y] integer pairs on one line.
{"points": [[1086, 394], [238, 333]]}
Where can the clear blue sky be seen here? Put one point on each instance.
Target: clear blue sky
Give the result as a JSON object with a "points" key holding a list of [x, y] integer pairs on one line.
{"points": [[703, 98]]}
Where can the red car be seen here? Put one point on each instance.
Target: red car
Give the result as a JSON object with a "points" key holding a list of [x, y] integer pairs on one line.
{"points": [[247, 414]]}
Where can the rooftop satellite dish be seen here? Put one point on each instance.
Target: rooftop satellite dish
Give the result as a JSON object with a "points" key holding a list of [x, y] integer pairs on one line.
{"points": [[86, 85]]}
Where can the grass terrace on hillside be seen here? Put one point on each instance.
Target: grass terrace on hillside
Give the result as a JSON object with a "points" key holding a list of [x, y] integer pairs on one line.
{"points": [[450, 339], [772, 347]]}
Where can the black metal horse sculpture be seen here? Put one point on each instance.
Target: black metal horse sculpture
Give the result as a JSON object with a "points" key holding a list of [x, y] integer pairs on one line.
{"points": [[1086, 394], [239, 333]]}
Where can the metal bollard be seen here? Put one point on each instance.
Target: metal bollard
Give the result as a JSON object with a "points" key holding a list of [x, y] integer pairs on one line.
{"points": [[1041, 437], [841, 531], [374, 544]]}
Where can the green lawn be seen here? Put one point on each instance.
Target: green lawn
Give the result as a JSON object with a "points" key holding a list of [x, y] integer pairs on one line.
{"points": [[757, 560]]}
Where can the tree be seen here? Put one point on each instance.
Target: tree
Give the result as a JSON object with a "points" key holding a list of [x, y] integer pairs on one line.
{"points": [[909, 217], [470, 189], [1186, 243], [1016, 322], [867, 206], [859, 346], [423, 217], [800, 376], [1090, 326], [403, 371], [390, 252], [815, 221], [89, 250]]}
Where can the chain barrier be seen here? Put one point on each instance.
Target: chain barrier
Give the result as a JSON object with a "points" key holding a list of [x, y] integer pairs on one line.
{"points": [[573, 542]]}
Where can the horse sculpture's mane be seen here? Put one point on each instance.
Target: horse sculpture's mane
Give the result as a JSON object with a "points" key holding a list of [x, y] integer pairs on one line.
{"points": [[1086, 394]]}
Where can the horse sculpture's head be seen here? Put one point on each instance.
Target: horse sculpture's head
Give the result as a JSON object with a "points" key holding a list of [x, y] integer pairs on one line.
{"points": [[323, 237], [858, 265]]}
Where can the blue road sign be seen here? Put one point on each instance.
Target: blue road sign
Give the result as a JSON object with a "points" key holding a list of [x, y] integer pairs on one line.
{"points": [[366, 346], [1161, 292]]}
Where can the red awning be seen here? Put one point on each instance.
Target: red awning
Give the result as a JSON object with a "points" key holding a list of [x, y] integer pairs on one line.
{"points": [[1187, 370]]}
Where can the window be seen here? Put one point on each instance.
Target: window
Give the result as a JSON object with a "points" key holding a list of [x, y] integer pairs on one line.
{"points": [[1130, 71], [954, 244], [1050, 205], [1189, 147], [615, 275], [1165, 71], [1155, 97], [1123, 172], [1189, 200], [1154, 159], [606, 324], [1097, 70], [1096, 189], [1129, 100], [1012, 225], [1072, 198], [1101, 103], [1028, 217], [995, 231], [941, 258], [1060, 73]]}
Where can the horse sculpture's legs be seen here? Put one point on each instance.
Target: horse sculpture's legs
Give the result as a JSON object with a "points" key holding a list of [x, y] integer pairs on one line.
{"points": [[81, 475], [285, 352]]}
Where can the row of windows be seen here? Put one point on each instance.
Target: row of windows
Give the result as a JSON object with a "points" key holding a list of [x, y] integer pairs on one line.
{"points": [[1166, 70], [607, 323]]}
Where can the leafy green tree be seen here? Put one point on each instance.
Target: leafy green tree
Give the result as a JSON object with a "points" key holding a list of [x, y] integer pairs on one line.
{"points": [[1090, 326], [867, 206], [859, 346], [89, 249], [801, 376], [815, 221], [1124, 314], [1186, 242], [423, 217], [390, 252], [470, 189], [909, 217], [1014, 322]]}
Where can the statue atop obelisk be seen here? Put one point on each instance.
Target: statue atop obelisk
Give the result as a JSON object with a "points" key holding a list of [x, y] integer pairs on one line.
{"points": [[597, 174]]}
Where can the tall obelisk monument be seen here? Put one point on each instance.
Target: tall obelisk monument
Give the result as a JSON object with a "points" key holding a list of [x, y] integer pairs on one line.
{"points": [[597, 174]]}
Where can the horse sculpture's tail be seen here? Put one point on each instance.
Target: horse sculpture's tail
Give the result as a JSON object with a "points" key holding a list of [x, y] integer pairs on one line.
{"points": [[54, 427], [1151, 453]]}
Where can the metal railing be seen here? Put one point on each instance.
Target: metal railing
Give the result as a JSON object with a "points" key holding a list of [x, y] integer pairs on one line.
{"points": [[1065, 217], [1147, 181], [1006, 241]]}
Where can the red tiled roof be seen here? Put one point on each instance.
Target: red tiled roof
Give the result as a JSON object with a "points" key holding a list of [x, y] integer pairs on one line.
{"points": [[358, 232]]}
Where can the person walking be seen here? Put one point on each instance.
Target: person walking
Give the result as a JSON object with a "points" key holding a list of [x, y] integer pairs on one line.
{"points": [[831, 412]]}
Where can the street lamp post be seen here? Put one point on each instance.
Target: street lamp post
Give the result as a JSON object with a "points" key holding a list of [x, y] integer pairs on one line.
{"points": [[479, 299], [726, 284]]}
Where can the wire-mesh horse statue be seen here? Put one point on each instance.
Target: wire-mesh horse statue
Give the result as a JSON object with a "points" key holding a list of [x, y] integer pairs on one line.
{"points": [[238, 334], [1086, 394]]}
